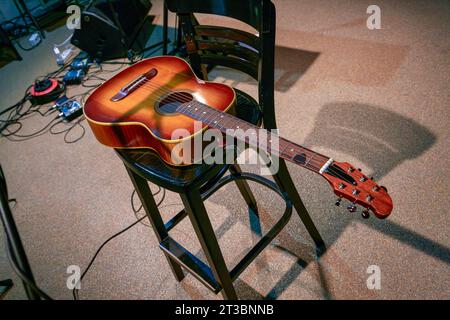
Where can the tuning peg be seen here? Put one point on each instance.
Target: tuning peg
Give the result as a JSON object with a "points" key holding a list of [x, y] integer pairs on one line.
{"points": [[384, 188], [359, 169], [351, 208], [365, 214], [338, 202]]}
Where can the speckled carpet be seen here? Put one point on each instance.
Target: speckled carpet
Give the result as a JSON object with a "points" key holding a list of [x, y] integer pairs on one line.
{"points": [[376, 98]]}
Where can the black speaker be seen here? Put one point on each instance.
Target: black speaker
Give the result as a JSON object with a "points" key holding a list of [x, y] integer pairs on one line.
{"points": [[109, 28]]}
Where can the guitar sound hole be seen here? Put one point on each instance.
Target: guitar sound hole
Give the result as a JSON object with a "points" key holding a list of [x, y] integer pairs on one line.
{"points": [[172, 101]]}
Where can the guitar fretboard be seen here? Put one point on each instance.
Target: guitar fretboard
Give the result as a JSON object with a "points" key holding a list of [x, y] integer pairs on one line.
{"points": [[253, 135]]}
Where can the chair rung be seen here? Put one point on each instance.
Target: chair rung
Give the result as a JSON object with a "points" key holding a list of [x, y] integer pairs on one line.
{"points": [[191, 263], [175, 220]]}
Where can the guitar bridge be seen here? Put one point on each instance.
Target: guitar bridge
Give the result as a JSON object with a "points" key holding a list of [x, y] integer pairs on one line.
{"points": [[134, 85]]}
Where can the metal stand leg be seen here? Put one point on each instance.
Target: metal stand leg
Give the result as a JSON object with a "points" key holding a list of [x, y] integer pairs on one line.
{"points": [[24, 7], [152, 211], [284, 181], [5, 286], [193, 203], [14, 243]]}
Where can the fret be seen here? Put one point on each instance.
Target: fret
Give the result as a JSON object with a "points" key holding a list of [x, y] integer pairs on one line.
{"points": [[223, 121], [182, 108], [283, 151], [206, 114], [267, 144], [216, 121], [309, 159]]}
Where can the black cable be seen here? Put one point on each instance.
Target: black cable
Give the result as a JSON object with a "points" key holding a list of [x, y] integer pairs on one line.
{"points": [[30, 48], [67, 131], [75, 290], [11, 125], [44, 295], [136, 211], [30, 135]]}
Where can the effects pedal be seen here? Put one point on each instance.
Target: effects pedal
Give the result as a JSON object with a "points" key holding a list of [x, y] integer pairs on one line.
{"points": [[74, 76], [69, 109], [80, 64], [78, 69]]}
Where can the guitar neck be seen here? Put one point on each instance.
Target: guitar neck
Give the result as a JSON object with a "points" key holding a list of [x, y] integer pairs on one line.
{"points": [[255, 136]]}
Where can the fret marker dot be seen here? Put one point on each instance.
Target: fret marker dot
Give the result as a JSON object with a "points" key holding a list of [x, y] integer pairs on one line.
{"points": [[196, 108], [237, 127], [292, 149], [221, 116]]}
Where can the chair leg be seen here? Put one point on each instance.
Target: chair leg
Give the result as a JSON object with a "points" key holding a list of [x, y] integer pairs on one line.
{"points": [[193, 203], [284, 181], [247, 194], [244, 188], [152, 211]]}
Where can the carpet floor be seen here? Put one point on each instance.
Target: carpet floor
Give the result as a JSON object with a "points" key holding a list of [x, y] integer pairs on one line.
{"points": [[376, 98]]}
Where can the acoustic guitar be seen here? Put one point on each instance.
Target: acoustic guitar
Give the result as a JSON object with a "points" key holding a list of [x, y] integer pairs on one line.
{"points": [[141, 106]]}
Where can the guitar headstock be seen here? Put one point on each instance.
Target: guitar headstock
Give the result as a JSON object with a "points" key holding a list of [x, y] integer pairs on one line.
{"points": [[350, 183]]}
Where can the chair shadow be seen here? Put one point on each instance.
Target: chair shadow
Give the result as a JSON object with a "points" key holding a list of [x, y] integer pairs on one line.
{"points": [[290, 65]]}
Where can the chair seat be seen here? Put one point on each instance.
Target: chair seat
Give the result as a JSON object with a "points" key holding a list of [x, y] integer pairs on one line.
{"points": [[148, 165]]}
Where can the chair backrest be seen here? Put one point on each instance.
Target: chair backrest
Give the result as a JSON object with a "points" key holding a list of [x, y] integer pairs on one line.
{"points": [[236, 49]]}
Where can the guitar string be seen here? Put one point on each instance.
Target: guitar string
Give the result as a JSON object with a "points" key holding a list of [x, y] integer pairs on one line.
{"points": [[160, 89], [157, 88], [314, 164], [280, 150]]}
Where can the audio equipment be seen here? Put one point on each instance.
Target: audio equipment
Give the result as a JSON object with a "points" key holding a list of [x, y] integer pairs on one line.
{"points": [[109, 28], [44, 91]]}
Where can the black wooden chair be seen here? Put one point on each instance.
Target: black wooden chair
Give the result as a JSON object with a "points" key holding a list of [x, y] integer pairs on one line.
{"points": [[254, 55]]}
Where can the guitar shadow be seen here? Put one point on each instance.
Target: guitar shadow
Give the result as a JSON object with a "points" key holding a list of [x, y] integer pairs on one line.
{"points": [[385, 140]]}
